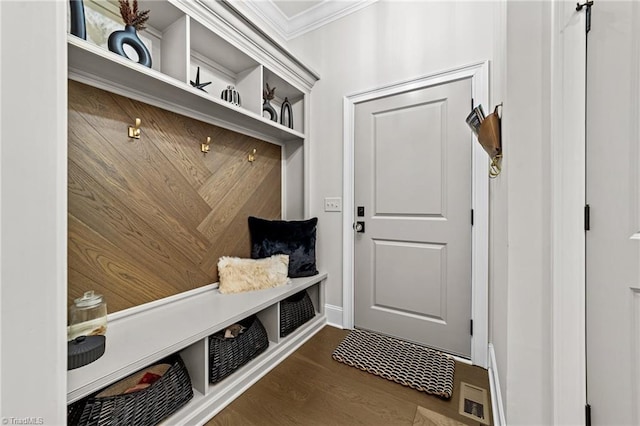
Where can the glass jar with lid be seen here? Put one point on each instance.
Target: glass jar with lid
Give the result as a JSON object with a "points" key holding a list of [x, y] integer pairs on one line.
{"points": [[88, 316]]}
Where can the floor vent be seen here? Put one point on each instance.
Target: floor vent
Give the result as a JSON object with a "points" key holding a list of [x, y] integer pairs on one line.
{"points": [[474, 403]]}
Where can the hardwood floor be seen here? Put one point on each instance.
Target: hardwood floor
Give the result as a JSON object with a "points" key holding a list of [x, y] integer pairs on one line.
{"points": [[310, 388]]}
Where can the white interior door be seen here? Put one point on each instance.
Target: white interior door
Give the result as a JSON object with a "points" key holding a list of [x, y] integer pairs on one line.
{"points": [[412, 191], [613, 150]]}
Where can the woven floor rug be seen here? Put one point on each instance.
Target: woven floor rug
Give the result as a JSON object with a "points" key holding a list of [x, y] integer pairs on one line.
{"points": [[412, 365]]}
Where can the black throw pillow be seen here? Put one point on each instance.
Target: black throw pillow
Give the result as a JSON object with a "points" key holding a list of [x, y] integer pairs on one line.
{"points": [[297, 238]]}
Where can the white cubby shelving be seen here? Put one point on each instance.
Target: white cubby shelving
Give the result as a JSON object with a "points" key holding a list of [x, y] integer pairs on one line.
{"points": [[96, 66], [229, 50], [186, 43], [230, 68], [186, 35], [284, 90]]}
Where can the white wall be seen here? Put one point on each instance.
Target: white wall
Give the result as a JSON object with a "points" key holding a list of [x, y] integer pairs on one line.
{"points": [[389, 42], [526, 128], [392, 41], [613, 192], [498, 216], [384, 43], [33, 212]]}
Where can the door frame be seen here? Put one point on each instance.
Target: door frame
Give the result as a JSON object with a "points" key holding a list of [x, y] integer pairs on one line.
{"points": [[479, 74]]}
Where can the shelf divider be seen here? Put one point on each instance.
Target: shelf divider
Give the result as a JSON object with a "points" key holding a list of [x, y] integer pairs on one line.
{"points": [[175, 50], [270, 320], [314, 295], [249, 85], [196, 359]]}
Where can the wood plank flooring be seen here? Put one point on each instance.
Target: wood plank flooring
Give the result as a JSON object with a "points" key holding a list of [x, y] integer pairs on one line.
{"points": [[310, 388]]}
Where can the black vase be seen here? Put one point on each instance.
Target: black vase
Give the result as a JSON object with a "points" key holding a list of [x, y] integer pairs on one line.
{"points": [[286, 116], [266, 106], [78, 25], [128, 36]]}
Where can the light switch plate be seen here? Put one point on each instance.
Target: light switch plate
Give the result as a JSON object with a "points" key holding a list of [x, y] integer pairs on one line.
{"points": [[333, 204]]}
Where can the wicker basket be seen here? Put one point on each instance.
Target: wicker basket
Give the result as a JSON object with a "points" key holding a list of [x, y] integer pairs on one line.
{"points": [[294, 311], [142, 408], [227, 355]]}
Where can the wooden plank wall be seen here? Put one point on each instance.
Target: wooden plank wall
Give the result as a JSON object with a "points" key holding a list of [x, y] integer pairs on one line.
{"points": [[149, 218]]}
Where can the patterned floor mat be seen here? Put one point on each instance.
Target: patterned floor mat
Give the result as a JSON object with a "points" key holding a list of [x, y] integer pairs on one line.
{"points": [[412, 365]]}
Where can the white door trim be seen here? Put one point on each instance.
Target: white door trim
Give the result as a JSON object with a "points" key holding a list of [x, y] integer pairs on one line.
{"points": [[479, 74], [568, 193]]}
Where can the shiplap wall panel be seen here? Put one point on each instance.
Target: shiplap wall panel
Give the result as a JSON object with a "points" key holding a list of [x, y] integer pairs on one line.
{"points": [[149, 217]]}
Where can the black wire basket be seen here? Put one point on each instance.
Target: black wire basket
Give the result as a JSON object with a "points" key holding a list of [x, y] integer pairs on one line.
{"points": [[145, 407], [227, 355], [294, 311]]}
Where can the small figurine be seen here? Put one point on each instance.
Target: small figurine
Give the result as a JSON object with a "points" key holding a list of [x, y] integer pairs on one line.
{"points": [[197, 83], [268, 94]]}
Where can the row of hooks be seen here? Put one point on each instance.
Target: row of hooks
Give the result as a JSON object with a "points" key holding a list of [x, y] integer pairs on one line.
{"points": [[134, 132]]}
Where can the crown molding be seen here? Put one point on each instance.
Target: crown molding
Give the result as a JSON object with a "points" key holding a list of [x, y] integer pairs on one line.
{"points": [[316, 16], [235, 27]]}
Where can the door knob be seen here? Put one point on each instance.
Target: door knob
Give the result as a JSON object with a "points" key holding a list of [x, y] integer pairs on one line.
{"points": [[359, 227]]}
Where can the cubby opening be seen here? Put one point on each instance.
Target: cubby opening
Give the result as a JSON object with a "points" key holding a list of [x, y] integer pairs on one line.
{"points": [[224, 65], [285, 90]]}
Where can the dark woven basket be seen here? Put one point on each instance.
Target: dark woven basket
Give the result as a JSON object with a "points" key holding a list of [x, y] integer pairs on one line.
{"points": [[294, 311], [146, 407], [227, 355]]}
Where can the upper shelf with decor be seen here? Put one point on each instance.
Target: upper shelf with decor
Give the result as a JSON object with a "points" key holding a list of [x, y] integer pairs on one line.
{"points": [[192, 57]]}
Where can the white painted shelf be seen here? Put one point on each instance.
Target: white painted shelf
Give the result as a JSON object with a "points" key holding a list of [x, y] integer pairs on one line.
{"points": [[94, 65], [140, 336]]}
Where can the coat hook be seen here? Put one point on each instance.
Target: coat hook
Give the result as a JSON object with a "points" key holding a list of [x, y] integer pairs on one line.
{"points": [[134, 131], [204, 147], [252, 156]]}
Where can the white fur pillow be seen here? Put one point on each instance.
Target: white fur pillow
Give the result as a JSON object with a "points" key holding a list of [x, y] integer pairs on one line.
{"points": [[238, 275]]}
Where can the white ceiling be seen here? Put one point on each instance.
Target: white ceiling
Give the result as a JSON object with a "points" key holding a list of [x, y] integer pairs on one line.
{"points": [[292, 8], [291, 18]]}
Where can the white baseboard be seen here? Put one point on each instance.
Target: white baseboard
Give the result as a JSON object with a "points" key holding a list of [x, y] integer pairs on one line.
{"points": [[496, 392], [334, 315]]}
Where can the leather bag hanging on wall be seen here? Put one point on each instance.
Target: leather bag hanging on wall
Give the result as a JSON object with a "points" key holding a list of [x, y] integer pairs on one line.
{"points": [[489, 134], [491, 140], [487, 129]]}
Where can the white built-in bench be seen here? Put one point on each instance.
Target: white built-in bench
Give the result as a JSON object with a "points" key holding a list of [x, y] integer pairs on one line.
{"points": [[140, 336]]}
